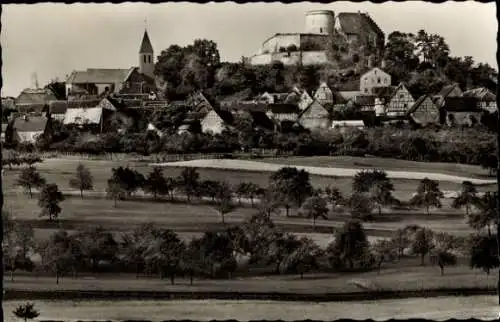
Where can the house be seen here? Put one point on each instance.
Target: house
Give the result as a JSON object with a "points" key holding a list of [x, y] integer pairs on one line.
{"points": [[282, 112], [452, 90], [346, 96], [216, 121], [315, 116], [424, 112], [374, 78], [364, 102], [487, 100], [272, 98], [324, 94], [359, 124], [57, 110], [27, 129], [399, 101], [101, 81], [460, 111], [34, 100], [199, 103], [90, 118]]}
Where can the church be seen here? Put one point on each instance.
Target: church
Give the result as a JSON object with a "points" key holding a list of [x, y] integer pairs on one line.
{"points": [[99, 82]]}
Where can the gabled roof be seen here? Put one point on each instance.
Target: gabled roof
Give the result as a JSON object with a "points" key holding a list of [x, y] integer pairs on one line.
{"points": [[225, 115], [146, 47], [315, 102], [461, 104], [83, 116], [30, 123], [35, 96], [447, 89], [100, 76], [418, 103], [357, 23], [482, 94], [260, 119]]}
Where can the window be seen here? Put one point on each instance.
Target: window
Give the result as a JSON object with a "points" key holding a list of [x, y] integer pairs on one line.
{"points": [[378, 80], [401, 96], [144, 59], [320, 29]]}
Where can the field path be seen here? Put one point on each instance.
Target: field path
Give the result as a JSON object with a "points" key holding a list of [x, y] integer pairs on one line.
{"points": [[258, 166]]}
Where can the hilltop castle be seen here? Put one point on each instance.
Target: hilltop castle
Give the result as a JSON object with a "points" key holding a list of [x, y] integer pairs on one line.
{"points": [[321, 26]]}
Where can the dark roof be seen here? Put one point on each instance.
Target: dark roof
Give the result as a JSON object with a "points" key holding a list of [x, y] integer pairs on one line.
{"points": [[283, 108], [446, 90], [225, 115], [364, 100], [30, 108], [30, 123], [146, 47], [83, 103], [260, 119], [482, 94], [417, 103], [384, 91], [357, 23], [58, 107], [100, 76], [461, 104], [35, 96]]}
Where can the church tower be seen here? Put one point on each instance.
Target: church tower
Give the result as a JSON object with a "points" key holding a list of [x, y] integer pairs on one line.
{"points": [[146, 60]]}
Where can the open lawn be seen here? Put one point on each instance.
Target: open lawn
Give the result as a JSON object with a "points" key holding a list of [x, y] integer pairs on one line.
{"points": [[438, 309], [388, 164]]}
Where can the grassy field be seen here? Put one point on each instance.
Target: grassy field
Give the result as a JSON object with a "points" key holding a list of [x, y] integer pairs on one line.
{"points": [[479, 307], [387, 164], [59, 171]]}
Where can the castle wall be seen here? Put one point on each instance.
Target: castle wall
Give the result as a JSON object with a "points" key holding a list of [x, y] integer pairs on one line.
{"points": [[318, 41], [319, 21], [293, 58], [273, 44]]}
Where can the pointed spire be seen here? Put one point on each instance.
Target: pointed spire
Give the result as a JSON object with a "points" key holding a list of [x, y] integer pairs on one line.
{"points": [[146, 47]]}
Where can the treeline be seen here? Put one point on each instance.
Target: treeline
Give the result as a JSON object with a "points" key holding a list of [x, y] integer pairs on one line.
{"points": [[474, 146]]}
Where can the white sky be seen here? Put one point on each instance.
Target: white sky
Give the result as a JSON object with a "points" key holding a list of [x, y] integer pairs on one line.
{"points": [[54, 39]]}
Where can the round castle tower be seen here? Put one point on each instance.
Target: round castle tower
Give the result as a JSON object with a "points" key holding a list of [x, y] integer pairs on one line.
{"points": [[320, 22]]}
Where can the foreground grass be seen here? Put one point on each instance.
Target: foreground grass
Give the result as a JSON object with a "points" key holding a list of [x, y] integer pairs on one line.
{"points": [[406, 275]]}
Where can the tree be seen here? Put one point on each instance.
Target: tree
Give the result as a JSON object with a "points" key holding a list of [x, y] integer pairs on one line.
{"points": [[60, 253], [466, 198], [384, 251], [130, 180], [156, 183], [334, 196], [315, 207], [134, 245], [215, 249], [291, 185], [282, 246], [268, 203], [241, 190], [399, 55], [188, 181], [260, 232], [364, 180], [303, 258], [442, 253], [30, 178], [487, 214], [165, 253], [26, 311], [422, 243], [83, 179], [224, 199], [483, 252], [115, 191], [350, 245], [428, 195], [360, 206], [433, 49], [97, 245], [49, 200]]}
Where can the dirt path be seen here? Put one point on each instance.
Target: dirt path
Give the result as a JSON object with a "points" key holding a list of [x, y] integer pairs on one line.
{"points": [[322, 171]]}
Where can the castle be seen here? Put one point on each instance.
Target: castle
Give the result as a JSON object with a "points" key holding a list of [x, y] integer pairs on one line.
{"points": [[309, 48]]}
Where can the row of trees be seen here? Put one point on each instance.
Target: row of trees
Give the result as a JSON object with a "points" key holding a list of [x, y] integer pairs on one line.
{"points": [[289, 188], [258, 242]]}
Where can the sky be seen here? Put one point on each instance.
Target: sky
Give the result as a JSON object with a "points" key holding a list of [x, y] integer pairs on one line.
{"points": [[51, 39]]}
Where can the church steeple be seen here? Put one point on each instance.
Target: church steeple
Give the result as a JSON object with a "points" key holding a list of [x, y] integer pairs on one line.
{"points": [[146, 60]]}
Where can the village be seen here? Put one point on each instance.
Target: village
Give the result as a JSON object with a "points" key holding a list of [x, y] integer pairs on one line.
{"points": [[87, 100], [337, 163]]}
